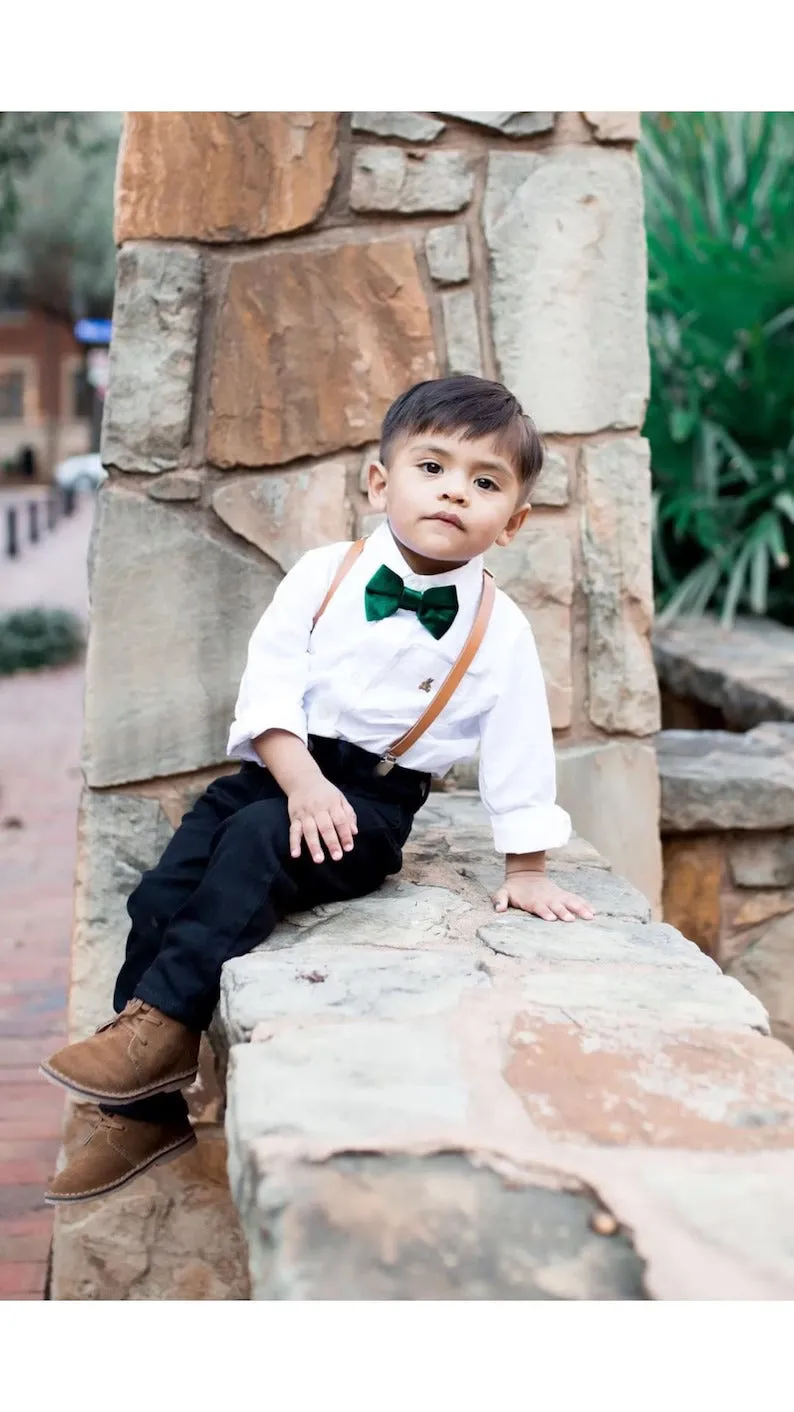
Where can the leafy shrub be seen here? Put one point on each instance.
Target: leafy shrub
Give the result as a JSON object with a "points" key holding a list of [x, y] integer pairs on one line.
{"points": [[719, 193], [39, 637]]}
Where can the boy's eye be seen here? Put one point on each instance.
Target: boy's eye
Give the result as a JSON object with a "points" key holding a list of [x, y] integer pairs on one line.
{"points": [[485, 483], [431, 466]]}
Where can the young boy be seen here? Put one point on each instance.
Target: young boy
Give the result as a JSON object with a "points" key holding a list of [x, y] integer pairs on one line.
{"points": [[357, 643]]}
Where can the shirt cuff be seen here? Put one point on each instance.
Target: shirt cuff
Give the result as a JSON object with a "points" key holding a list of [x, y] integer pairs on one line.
{"points": [[248, 728], [531, 830]]}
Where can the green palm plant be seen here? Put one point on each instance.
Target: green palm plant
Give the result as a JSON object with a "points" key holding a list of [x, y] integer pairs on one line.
{"points": [[719, 193]]}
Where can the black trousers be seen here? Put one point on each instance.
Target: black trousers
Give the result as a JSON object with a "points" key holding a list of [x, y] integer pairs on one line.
{"points": [[226, 879]]}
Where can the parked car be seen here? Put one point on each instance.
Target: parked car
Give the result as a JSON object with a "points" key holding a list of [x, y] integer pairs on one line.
{"points": [[80, 472]]}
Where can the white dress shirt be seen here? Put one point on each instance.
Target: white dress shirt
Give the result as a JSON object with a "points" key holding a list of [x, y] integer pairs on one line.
{"points": [[362, 682]]}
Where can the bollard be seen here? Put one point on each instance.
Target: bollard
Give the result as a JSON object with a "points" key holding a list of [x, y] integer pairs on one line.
{"points": [[12, 537], [68, 500], [52, 510], [33, 521]]}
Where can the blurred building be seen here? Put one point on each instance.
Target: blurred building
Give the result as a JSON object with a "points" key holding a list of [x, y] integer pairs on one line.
{"points": [[45, 397]]}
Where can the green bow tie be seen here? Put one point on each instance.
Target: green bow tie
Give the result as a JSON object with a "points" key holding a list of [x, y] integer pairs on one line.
{"points": [[436, 608]]}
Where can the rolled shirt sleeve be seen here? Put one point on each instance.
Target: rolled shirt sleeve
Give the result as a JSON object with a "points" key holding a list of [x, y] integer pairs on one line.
{"points": [[276, 673], [517, 767]]}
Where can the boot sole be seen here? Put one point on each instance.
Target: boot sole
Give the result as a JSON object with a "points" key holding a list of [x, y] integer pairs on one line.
{"points": [[98, 1096], [185, 1144]]}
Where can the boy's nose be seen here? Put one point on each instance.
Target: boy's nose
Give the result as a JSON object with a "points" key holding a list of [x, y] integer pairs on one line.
{"points": [[456, 491]]}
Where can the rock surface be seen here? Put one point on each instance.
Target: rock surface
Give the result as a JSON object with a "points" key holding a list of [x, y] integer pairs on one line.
{"points": [[412, 127], [747, 671], [156, 319], [553, 484], [176, 485], [284, 513], [428, 1101], [510, 124], [536, 571], [461, 332], [447, 251], [392, 179], [223, 176], [565, 237], [162, 686], [599, 784], [356, 313], [616, 573], [717, 780], [615, 127]]}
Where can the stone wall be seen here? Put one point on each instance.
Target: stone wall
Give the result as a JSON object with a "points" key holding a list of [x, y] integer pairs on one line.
{"points": [[281, 278]]}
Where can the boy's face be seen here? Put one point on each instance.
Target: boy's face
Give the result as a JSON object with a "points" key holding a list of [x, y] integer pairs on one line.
{"points": [[447, 499]]}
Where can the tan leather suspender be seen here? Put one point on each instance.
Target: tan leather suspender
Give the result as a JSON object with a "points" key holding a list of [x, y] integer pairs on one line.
{"points": [[453, 678]]}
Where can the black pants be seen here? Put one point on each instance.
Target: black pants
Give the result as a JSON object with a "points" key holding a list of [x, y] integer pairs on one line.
{"points": [[226, 879]]}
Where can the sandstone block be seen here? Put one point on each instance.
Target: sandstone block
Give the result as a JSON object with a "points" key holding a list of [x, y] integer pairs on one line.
{"points": [[461, 332], [284, 513], [717, 780], [357, 314], [223, 176], [766, 967], [176, 485], [156, 319], [173, 609], [694, 870], [746, 671], [119, 837], [616, 560], [393, 179], [553, 484], [763, 861], [411, 127], [510, 124], [565, 234], [447, 251], [536, 570], [611, 791], [615, 127]]}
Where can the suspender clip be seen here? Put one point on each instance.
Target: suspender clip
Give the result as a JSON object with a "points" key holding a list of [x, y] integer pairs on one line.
{"points": [[385, 764]]}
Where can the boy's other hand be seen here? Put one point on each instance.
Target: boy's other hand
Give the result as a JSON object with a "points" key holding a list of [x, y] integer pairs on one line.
{"points": [[536, 893], [318, 810]]}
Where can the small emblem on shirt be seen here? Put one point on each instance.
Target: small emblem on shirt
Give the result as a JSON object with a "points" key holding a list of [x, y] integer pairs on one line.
{"points": [[426, 685]]}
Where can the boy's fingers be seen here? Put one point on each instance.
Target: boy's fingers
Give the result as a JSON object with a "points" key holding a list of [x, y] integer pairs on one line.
{"points": [[500, 900], [545, 912], [579, 906], [342, 825], [295, 832], [326, 826], [312, 838], [562, 912]]}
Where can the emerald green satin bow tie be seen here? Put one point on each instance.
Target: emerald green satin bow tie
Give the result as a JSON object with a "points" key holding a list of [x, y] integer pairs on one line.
{"points": [[436, 608]]}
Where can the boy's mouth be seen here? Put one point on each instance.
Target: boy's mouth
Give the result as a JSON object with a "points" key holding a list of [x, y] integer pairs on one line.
{"points": [[447, 519]]}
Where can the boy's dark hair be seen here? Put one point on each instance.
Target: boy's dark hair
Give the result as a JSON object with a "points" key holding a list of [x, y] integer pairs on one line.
{"points": [[470, 407]]}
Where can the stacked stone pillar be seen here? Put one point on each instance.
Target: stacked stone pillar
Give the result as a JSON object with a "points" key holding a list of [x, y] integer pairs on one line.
{"points": [[281, 278]]}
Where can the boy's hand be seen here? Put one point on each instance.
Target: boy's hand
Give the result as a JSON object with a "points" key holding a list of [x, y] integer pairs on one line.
{"points": [[317, 809], [534, 892]]}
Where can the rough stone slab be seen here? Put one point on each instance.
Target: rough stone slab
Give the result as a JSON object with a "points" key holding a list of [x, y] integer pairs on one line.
{"points": [[447, 252], [461, 332], [746, 671], [120, 836], [536, 571], [611, 791], [510, 124], [564, 230], [766, 861], [390, 1227], [357, 314], [170, 605], [623, 694], [766, 967], [223, 176], [553, 484], [615, 127], [156, 317], [392, 179], [284, 513], [412, 127], [321, 979], [173, 1235], [716, 780], [176, 485], [694, 879], [614, 943]]}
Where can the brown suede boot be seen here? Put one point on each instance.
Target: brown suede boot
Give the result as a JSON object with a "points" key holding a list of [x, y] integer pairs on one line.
{"points": [[115, 1152], [139, 1053]]}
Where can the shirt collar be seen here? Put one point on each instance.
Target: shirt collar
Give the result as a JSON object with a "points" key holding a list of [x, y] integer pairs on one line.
{"points": [[382, 546]]}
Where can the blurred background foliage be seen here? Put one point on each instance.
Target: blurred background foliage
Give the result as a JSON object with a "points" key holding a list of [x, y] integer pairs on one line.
{"points": [[719, 193], [56, 210]]}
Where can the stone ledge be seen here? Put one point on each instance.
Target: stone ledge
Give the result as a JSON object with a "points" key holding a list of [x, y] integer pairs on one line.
{"points": [[718, 780], [746, 672], [428, 1101]]}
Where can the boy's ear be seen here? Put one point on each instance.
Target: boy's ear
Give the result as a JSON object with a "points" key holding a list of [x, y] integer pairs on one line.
{"points": [[513, 526], [377, 477]]}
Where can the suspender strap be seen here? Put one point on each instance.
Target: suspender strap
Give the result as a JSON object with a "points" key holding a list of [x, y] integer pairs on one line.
{"points": [[453, 678]]}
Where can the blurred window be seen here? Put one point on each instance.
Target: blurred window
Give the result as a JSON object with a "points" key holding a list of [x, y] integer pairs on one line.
{"points": [[12, 396]]}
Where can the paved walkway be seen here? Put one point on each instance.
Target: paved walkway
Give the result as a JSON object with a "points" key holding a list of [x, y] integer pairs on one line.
{"points": [[40, 782]]}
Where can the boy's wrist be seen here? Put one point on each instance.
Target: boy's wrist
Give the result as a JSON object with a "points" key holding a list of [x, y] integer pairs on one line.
{"points": [[520, 863]]}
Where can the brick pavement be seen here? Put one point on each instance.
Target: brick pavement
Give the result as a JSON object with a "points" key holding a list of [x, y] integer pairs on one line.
{"points": [[40, 782]]}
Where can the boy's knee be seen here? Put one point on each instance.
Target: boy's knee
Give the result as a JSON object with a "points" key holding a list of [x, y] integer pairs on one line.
{"points": [[265, 823]]}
